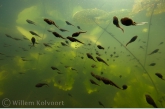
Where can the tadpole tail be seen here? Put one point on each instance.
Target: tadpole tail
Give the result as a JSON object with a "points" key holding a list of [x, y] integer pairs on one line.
{"points": [[122, 29], [141, 23], [94, 60], [56, 25], [127, 44], [80, 42], [105, 63]]}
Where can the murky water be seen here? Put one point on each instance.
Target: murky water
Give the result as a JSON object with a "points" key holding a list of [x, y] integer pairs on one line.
{"points": [[59, 75]]}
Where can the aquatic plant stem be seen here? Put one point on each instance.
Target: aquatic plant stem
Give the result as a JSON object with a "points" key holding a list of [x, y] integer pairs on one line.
{"points": [[101, 33], [148, 37]]}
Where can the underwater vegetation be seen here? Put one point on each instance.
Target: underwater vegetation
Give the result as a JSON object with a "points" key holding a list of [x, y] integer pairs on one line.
{"points": [[148, 6], [83, 55]]}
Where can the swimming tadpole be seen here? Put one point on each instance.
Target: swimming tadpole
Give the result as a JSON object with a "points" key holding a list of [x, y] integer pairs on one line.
{"points": [[41, 84], [93, 82], [153, 52], [161, 43], [50, 22], [101, 60], [47, 45], [152, 64], [79, 27], [100, 47], [150, 101], [90, 56], [99, 78], [35, 34], [33, 40], [30, 22], [159, 75], [109, 82], [63, 30], [63, 44], [68, 23], [105, 80], [54, 68], [69, 95], [132, 40], [74, 39], [76, 34], [116, 22], [128, 22], [100, 103], [57, 35]]}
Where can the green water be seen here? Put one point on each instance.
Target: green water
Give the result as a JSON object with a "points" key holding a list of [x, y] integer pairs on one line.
{"points": [[72, 88]]}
